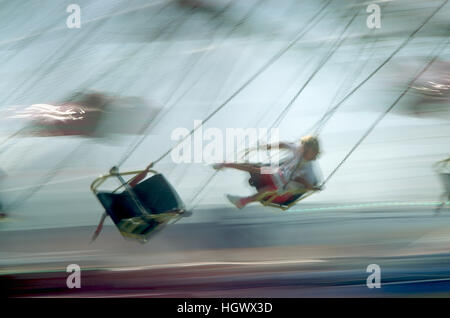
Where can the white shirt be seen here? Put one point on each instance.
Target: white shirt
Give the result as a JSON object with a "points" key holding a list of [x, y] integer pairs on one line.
{"points": [[295, 166]]}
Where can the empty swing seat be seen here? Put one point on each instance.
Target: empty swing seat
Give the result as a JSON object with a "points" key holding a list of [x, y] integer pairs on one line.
{"points": [[133, 210]]}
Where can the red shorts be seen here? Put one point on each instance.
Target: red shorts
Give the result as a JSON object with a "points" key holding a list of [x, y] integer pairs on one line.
{"points": [[270, 182]]}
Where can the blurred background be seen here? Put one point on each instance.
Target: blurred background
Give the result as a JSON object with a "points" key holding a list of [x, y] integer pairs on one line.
{"points": [[76, 101]]}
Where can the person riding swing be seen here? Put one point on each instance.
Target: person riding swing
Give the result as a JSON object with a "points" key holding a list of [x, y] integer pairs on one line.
{"points": [[285, 184]]}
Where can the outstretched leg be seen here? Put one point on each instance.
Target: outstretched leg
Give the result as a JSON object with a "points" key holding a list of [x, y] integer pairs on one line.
{"points": [[248, 167], [241, 202]]}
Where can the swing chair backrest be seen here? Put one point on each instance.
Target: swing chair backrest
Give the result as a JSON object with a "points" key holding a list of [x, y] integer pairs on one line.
{"points": [[132, 209], [127, 216], [157, 195]]}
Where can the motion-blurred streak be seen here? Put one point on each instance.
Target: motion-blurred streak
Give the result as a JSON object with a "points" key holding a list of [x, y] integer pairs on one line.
{"points": [[430, 93], [434, 84], [405, 11], [88, 115]]}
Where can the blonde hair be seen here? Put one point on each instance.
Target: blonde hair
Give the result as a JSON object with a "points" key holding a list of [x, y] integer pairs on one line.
{"points": [[311, 142]]}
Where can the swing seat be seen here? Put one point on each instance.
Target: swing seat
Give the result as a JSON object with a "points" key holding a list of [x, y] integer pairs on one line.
{"points": [[283, 201], [139, 211]]}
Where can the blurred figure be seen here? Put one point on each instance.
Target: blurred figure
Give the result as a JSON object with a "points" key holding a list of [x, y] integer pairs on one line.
{"points": [[89, 115], [432, 87], [78, 116], [295, 173], [429, 95]]}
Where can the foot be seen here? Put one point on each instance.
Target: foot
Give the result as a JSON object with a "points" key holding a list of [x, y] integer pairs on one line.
{"points": [[235, 200]]}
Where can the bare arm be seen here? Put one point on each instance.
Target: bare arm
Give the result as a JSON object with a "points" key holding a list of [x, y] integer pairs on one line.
{"points": [[281, 145]]}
